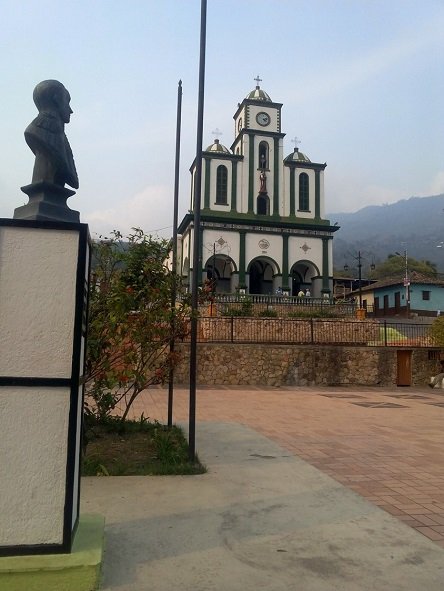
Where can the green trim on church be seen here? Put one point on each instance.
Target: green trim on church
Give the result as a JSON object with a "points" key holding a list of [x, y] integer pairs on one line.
{"points": [[302, 164], [207, 183], [292, 191], [276, 177], [266, 104], [251, 173], [234, 186], [285, 238], [325, 274], [242, 241], [227, 219], [317, 195]]}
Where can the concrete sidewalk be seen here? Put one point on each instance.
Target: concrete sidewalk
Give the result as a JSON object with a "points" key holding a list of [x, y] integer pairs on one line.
{"points": [[260, 518]]}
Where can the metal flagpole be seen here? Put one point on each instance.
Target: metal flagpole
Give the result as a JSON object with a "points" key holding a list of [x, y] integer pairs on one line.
{"points": [[197, 263], [174, 261]]}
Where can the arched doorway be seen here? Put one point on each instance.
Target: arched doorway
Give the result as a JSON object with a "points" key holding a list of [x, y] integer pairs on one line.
{"points": [[261, 272], [302, 274], [219, 269]]}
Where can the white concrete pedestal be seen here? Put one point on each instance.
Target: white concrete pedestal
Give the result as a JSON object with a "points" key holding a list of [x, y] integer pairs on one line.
{"points": [[43, 292]]}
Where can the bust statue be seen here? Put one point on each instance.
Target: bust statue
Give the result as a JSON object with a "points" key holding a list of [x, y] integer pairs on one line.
{"points": [[54, 162]]}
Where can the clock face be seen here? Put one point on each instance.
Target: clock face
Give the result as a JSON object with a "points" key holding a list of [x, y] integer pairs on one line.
{"points": [[239, 124], [263, 119]]}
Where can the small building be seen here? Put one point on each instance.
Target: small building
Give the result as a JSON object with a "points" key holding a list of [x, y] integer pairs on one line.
{"points": [[263, 229], [347, 288], [420, 295]]}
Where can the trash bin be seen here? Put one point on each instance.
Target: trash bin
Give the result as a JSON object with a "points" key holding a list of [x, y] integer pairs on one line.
{"points": [[360, 313]]}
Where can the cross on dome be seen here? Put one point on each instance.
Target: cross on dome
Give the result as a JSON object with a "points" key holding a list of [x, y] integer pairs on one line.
{"points": [[257, 80], [296, 141], [217, 132]]}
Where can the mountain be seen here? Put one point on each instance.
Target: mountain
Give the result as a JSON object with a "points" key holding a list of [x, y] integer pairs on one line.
{"points": [[415, 225]]}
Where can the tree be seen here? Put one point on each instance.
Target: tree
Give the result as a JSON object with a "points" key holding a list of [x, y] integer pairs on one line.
{"points": [[130, 322], [394, 267]]}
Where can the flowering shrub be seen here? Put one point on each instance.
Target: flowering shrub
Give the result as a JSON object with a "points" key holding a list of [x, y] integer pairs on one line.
{"points": [[131, 322]]}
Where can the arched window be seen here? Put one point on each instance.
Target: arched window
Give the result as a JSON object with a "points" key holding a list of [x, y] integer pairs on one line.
{"points": [[263, 203], [263, 155], [221, 185], [304, 196]]}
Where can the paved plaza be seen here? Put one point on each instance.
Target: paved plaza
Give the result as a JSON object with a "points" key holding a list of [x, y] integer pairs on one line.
{"points": [[386, 444], [290, 499]]}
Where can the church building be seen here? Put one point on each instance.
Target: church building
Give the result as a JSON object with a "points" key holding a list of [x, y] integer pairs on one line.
{"points": [[262, 214]]}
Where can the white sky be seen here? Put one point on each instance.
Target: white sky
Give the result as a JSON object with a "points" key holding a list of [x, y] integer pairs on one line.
{"points": [[361, 82]]}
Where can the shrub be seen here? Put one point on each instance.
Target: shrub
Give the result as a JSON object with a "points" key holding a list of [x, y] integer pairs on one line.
{"points": [[437, 331], [245, 309], [131, 322]]}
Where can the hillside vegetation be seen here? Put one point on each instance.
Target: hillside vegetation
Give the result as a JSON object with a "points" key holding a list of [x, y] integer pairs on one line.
{"points": [[415, 224]]}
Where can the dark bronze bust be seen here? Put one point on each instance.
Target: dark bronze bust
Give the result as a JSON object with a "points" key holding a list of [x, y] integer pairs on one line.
{"points": [[46, 137], [54, 163]]}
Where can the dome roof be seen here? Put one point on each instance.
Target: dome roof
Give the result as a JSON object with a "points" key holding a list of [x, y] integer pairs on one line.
{"points": [[217, 147], [259, 95], [297, 157]]}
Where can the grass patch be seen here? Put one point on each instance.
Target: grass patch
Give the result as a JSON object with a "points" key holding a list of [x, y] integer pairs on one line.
{"points": [[137, 448]]}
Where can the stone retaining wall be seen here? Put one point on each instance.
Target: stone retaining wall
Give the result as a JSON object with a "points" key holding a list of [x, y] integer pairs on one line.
{"points": [[277, 365]]}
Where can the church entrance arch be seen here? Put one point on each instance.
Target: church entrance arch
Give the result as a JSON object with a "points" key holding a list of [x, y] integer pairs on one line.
{"points": [[302, 274], [262, 271], [220, 269]]}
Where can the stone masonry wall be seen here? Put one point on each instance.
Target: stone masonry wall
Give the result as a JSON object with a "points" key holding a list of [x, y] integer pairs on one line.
{"points": [[276, 365]]}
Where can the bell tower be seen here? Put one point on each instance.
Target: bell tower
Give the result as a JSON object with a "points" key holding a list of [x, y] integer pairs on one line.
{"points": [[258, 138]]}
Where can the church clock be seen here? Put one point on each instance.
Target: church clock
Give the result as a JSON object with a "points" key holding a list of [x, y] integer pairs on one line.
{"points": [[263, 119]]}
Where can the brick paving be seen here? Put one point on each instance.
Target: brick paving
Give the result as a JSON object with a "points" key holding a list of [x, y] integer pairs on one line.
{"points": [[385, 444]]}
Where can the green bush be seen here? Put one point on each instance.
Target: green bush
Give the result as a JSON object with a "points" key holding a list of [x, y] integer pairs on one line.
{"points": [[437, 331], [245, 309]]}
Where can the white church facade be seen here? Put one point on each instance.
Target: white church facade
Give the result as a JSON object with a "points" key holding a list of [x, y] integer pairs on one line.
{"points": [[262, 214]]}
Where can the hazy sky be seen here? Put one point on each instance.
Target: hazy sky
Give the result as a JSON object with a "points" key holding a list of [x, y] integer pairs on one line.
{"points": [[362, 83]]}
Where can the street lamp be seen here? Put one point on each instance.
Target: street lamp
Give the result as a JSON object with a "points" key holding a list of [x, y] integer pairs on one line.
{"points": [[359, 258], [406, 282]]}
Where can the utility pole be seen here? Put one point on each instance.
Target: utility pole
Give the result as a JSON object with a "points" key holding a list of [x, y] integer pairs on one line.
{"points": [[406, 282], [360, 278], [407, 285], [174, 255]]}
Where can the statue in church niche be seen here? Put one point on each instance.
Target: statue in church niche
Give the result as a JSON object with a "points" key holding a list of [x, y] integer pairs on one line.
{"points": [[54, 162], [263, 180]]}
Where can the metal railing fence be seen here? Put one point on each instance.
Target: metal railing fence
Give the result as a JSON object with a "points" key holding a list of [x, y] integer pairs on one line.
{"points": [[313, 331], [282, 305]]}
